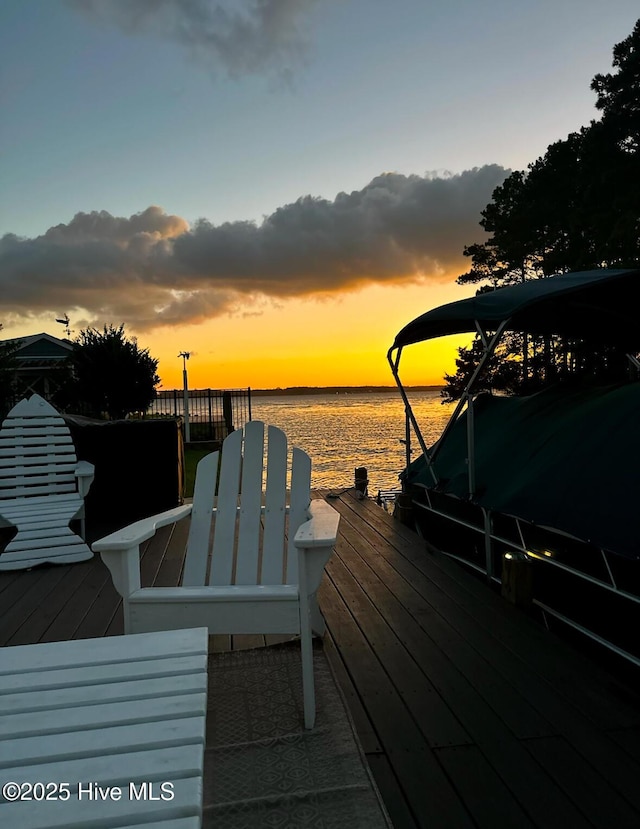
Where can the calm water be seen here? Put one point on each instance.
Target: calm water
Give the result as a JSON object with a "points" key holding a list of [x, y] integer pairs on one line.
{"points": [[343, 431]]}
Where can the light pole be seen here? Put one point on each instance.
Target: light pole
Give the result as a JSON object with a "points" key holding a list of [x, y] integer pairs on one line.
{"points": [[185, 387]]}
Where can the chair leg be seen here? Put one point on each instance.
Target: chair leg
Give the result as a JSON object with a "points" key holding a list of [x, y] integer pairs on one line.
{"points": [[308, 687], [318, 625], [305, 609]]}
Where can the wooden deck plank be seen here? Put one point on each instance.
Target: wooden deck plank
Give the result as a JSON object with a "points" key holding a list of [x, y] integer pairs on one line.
{"points": [[36, 626], [71, 616], [432, 799], [629, 740], [562, 667], [436, 720], [363, 725], [153, 554], [412, 596], [530, 733], [7, 582], [103, 613], [170, 571], [486, 796], [277, 638], [486, 642], [26, 597], [246, 641], [566, 719], [220, 642], [523, 775], [391, 792], [602, 804]]}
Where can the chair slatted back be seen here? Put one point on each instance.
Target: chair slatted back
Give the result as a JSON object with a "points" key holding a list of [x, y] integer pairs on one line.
{"points": [[248, 548], [250, 534], [37, 455], [300, 499], [275, 509], [228, 491], [195, 566]]}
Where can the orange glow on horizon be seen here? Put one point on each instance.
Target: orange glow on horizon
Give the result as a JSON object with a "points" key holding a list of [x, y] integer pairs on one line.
{"points": [[337, 340], [341, 341]]}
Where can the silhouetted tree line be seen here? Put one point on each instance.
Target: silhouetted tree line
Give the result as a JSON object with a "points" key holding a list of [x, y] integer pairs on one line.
{"points": [[575, 208]]}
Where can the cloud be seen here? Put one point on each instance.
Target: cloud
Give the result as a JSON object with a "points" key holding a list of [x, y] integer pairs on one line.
{"points": [[243, 37], [152, 269]]}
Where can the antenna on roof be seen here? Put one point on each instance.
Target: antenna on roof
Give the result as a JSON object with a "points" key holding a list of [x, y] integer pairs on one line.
{"points": [[65, 321]]}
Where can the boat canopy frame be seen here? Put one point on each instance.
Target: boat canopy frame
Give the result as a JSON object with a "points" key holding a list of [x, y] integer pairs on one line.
{"points": [[601, 305], [489, 342]]}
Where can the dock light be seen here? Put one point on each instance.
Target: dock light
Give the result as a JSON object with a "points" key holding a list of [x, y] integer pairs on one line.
{"points": [[540, 554], [185, 395], [517, 578], [515, 555]]}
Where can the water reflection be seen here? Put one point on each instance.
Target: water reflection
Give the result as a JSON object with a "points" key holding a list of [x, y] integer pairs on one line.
{"points": [[344, 431]]}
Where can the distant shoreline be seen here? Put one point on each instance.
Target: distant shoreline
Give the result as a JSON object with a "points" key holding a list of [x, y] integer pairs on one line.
{"points": [[291, 390]]}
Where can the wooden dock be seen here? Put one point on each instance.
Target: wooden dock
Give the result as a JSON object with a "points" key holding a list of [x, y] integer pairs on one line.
{"points": [[470, 713]]}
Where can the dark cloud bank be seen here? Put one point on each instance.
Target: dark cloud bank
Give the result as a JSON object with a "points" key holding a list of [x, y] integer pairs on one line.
{"points": [[152, 269]]}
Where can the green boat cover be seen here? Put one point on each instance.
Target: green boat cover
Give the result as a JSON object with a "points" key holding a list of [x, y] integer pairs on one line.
{"points": [[603, 305], [567, 458]]}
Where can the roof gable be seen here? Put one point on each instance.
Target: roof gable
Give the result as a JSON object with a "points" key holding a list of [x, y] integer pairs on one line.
{"points": [[41, 347]]}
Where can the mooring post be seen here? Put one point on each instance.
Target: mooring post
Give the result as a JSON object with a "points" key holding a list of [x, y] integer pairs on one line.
{"points": [[361, 481], [517, 579], [403, 509]]}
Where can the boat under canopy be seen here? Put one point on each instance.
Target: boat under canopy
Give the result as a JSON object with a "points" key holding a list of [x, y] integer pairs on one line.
{"points": [[559, 467], [567, 458]]}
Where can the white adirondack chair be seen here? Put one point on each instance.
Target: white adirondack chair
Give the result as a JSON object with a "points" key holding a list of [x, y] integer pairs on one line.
{"points": [[42, 487], [263, 572]]}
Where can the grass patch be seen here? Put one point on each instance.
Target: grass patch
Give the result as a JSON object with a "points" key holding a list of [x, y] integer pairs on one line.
{"points": [[191, 458]]}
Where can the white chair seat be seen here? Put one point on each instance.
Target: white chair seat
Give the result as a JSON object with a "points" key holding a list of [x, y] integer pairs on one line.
{"points": [[254, 561]]}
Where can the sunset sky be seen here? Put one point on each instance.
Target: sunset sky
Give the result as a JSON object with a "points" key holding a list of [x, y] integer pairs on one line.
{"points": [[277, 186]]}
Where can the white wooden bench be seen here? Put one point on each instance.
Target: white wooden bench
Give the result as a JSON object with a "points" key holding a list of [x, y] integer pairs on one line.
{"points": [[123, 714], [42, 487], [268, 550]]}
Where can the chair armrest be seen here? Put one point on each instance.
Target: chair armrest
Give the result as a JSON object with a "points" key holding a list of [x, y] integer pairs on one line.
{"points": [[85, 473], [84, 469], [135, 534], [321, 530]]}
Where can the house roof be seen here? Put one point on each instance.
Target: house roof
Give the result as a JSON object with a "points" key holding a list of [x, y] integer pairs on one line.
{"points": [[39, 350]]}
